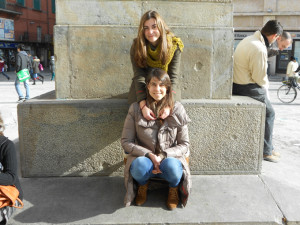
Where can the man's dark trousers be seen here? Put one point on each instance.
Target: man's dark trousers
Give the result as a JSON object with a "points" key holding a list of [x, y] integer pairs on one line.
{"points": [[258, 93]]}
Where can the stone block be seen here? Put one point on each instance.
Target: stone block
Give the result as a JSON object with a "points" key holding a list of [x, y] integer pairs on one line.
{"points": [[88, 69], [226, 136], [102, 69], [200, 13], [71, 138], [82, 137]]}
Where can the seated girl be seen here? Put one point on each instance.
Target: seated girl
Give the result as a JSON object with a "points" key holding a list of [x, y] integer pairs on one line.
{"points": [[8, 171], [157, 148]]}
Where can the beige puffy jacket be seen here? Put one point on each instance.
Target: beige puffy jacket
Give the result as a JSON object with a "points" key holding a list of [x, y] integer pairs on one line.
{"points": [[140, 136]]}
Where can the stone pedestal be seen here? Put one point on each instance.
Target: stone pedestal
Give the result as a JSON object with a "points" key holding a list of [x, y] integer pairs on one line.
{"points": [[92, 45], [82, 137], [79, 133]]}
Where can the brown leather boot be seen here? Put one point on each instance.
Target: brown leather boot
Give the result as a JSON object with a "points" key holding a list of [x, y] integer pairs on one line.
{"points": [[173, 198], [141, 196]]}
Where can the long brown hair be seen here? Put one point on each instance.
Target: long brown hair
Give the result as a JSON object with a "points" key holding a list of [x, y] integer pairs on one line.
{"points": [[140, 55], [167, 101], [1, 126]]}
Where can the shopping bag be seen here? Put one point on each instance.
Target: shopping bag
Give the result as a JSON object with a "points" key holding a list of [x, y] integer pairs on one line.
{"points": [[41, 68], [23, 75]]}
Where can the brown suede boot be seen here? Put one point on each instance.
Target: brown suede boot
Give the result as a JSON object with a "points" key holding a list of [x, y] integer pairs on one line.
{"points": [[141, 196], [173, 198]]}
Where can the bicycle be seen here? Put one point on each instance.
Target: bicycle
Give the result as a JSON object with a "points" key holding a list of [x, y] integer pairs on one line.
{"points": [[287, 92]]}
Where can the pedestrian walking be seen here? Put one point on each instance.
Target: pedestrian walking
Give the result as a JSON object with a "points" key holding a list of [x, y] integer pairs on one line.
{"points": [[22, 62], [31, 69], [36, 70], [2, 65], [52, 67]]}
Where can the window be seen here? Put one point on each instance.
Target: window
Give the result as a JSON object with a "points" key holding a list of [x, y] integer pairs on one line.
{"points": [[39, 34], [53, 6], [2, 4], [37, 4], [21, 2], [297, 50]]}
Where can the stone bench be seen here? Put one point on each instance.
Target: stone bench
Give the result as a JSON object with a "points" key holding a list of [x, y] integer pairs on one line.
{"points": [[82, 137]]}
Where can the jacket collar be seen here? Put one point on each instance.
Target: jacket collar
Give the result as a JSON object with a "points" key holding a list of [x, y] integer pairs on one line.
{"points": [[3, 139], [260, 36], [266, 40], [172, 121], [23, 52]]}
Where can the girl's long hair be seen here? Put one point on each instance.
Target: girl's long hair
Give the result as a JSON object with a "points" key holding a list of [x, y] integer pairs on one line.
{"points": [[167, 101], [140, 54], [1, 126]]}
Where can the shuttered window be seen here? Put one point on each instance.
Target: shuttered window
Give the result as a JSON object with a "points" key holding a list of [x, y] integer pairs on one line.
{"points": [[37, 4], [53, 6], [21, 2], [2, 4]]}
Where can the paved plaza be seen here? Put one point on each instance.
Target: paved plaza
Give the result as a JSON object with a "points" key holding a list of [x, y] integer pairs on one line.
{"points": [[273, 197]]}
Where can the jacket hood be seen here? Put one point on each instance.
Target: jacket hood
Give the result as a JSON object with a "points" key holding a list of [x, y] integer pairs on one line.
{"points": [[24, 53], [36, 60]]}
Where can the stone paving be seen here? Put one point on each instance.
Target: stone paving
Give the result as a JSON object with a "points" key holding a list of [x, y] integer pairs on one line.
{"points": [[273, 197]]}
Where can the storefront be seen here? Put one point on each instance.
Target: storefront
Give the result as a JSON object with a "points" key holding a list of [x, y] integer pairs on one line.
{"points": [[8, 52]]}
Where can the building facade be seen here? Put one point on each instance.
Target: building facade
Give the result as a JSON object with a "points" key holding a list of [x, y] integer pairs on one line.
{"points": [[251, 15], [29, 22]]}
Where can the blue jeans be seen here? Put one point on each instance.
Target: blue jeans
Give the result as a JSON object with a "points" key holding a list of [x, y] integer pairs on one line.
{"points": [[4, 74], [53, 75], [17, 85], [141, 170]]}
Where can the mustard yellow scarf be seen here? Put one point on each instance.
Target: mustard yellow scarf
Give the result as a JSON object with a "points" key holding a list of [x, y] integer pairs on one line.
{"points": [[153, 55]]}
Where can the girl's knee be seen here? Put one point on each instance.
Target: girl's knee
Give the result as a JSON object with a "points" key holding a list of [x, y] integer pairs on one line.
{"points": [[140, 167], [173, 168]]}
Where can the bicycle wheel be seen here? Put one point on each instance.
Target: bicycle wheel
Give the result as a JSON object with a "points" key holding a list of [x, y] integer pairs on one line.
{"points": [[286, 93]]}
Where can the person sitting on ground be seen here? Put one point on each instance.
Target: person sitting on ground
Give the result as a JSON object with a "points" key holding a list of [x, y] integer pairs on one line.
{"points": [[8, 171], [291, 70], [157, 148]]}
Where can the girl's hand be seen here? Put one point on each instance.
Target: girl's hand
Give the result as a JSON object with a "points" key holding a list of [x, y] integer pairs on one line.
{"points": [[147, 113], [156, 163], [164, 113]]}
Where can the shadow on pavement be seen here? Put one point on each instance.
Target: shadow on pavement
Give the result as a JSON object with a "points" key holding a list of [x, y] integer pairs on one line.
{"points": [[48, 95], [65, 200]]}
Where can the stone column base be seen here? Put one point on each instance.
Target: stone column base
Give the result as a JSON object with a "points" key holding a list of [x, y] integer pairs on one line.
{"points": [[82, 137]]}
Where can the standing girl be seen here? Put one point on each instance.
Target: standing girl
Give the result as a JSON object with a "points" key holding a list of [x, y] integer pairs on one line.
{"points": [[155, 47]]}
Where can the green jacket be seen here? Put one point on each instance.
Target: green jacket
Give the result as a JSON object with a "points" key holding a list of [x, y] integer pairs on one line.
{"points": [[137, 90]]}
